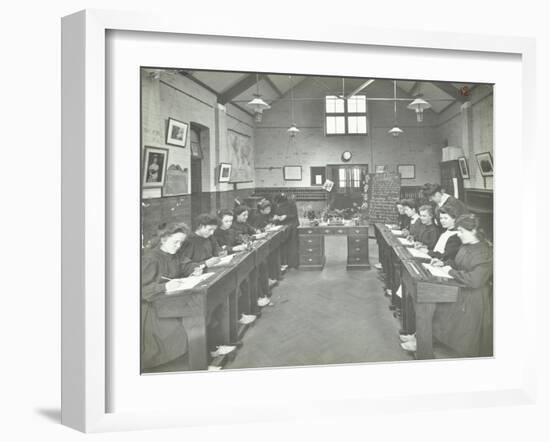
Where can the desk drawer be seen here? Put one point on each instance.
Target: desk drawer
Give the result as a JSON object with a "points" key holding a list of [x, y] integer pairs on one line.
{"points": [[315, 249], [313, 241], [305, 231], [358, 241], [364, 259], [358, 251], [358, 230], [311, 259]]}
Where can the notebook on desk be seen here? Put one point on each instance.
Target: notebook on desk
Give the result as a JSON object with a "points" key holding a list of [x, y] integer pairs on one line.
{"points": [[441, 272], [223, 261], [419, 253], [405, 242], [189, 282], [397, 232]]}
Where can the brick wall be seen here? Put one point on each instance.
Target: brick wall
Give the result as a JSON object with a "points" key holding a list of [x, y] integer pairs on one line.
{"points": [[384, 190]]}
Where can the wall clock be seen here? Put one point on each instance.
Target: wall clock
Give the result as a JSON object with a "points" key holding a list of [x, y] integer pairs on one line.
{"points": [[346, 156]]}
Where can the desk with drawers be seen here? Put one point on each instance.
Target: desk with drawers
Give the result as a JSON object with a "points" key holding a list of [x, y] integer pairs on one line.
{"points": [[312, 246]]}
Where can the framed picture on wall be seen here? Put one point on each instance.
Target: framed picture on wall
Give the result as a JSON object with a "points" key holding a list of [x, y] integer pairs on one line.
{"points": [[407, 171], [380, 169], [176, 132], [154, 166], [224, 173], [292, 173], [463, 165], [485, 163], [317, 175]]}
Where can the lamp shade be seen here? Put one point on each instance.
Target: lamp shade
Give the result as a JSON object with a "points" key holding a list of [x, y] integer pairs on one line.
{"points": [[257, 104], [293, 130], [395, 131], [418, 105]]}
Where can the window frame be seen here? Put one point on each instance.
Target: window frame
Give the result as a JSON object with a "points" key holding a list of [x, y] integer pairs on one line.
{"points": [[346, 114]]}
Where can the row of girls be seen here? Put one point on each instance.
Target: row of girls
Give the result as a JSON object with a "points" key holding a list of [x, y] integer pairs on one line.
{"points": [[176, 252], [453, 237]]}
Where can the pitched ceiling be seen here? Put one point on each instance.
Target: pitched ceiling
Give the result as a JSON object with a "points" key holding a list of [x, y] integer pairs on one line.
{"points": [[238, 88]]}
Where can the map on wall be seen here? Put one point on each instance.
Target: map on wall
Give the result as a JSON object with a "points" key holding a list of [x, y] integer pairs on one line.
{"points": [[241, 158]]}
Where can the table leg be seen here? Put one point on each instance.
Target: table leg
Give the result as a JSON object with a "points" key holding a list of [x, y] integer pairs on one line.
{"points": [[424, 331]]}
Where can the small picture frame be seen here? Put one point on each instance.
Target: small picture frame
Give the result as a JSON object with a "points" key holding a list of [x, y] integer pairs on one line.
{"points": [[407, 171], [224, 174], [292, 173], [154, 167], [176, 133], [485, 163], [463, 166]]}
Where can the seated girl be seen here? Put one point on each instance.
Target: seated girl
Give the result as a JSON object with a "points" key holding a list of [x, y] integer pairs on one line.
{"points": [[226, 236], [163, 340], [429, 234], [403, 221], [465, 325], [448, 243], [201, 247], [263, 216], [240, 222], [415, 225]]}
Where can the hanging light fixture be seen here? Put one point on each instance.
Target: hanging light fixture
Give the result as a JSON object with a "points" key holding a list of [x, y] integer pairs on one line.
{"points": [[395, 131], [292, 130], [418, 105], [257, 104]]}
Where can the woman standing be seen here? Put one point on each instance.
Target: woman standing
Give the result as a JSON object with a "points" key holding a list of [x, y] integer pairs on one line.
{"points": [[163, 340], [286, 213], [466, 325]]}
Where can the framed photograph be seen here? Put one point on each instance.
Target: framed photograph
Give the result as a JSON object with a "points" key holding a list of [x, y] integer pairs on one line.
{"points": [[292, 173], [463, 165], [407, 171], [317, 175], [103, 386], [485, 163], [154, 166], [176, 133], [224, 173]]}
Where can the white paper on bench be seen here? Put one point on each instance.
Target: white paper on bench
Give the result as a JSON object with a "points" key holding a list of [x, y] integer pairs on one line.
{"points": [[397, 232], [442, 272], [223, 261], [419, 253], [405, 241], [190, 282]]}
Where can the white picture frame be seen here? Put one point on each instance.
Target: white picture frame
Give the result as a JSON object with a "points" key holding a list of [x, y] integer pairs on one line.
{"points": [[292, 173], [86, 311]]}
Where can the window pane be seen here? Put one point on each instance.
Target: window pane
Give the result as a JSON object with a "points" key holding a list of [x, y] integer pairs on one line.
{"points": [[352, 105], [339, 105], [330, 104], [352, 125], [331, 125], [333, 104], [361, 125], [340, 125], [361, 103]]}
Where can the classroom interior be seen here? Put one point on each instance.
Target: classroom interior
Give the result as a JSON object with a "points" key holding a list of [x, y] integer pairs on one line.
{"points": [[344, 151]]}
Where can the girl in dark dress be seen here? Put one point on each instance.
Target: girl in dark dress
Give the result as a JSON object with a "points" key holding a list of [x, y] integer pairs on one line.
{"points": [[448, 243], [240, 222], [429, 234], [226, 236], [286, 213], [416, 227], [163, 340], [403, 221], [201, 247], [466, 325], [263, 216], [442, 200]]}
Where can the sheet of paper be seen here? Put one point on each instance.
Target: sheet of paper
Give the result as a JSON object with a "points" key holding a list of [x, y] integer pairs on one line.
{"points": [[405, 241], [419, 253], [397, 232], [190, 282], [442, 272], [389, 226], [223, 261], [273, 229]]}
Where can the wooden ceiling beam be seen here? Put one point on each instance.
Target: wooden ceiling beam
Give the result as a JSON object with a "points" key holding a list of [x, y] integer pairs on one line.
{"points": [[237, 89]]}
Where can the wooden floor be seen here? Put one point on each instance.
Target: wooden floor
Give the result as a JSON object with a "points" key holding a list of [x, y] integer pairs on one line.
{"points": [[329, 317]]}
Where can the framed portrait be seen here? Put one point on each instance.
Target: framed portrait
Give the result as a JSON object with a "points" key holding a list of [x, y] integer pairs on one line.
{"points": [[176, 133], [407, 171], [292, 173], [154, 166], [224, 174], [485, 163], [463, 165], [103, 388], [317, 175]]}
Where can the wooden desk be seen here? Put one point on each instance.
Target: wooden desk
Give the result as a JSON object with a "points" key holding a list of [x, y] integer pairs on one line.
{"points": [[312, 246], [221, 294], [421, 291]]}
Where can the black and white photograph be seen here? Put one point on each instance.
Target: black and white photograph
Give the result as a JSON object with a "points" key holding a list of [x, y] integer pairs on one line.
{"points": [[485, 161], [350, 233], [224, 173], [176, 133], [154, 167]]}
